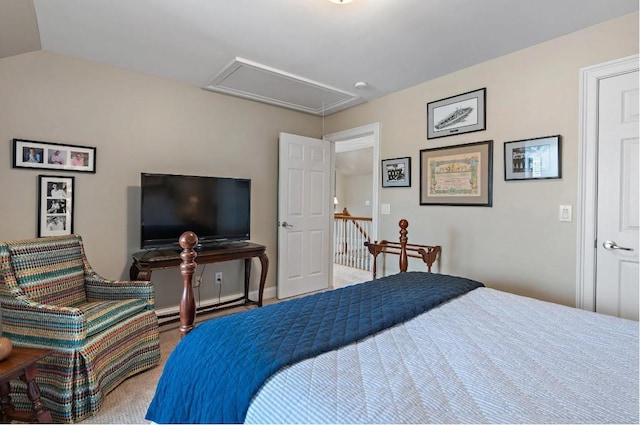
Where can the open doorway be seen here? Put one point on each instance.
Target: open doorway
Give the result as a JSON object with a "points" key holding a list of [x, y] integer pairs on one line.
{"points": [[355, 159]]}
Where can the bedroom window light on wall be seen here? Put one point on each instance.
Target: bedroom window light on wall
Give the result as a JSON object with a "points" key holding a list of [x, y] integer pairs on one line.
{"points": [[335, 193]]}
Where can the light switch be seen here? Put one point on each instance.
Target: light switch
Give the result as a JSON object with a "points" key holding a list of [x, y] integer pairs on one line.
{"points": [[565, 213], [385, 209]]}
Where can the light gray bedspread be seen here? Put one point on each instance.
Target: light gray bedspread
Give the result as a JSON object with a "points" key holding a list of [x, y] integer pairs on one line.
{"points": [[486, 357]]}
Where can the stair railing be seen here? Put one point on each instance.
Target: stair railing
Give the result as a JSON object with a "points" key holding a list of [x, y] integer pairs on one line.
{"points": [[350, 235]]}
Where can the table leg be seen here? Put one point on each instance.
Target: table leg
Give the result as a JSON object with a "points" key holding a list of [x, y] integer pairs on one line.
{"points": [[33, 393], [264, 262], [247, 277], [5, 402]]}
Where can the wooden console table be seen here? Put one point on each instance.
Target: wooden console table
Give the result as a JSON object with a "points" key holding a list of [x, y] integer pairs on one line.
{"points": [[146, 261], [21, 363]]}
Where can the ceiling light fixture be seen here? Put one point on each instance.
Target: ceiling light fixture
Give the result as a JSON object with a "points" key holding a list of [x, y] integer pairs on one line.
{"points": [[361, 85], [340, 1]]}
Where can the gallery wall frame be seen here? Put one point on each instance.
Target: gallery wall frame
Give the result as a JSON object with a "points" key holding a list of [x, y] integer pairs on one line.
{"points": [[533, 159], [459, 114], [55, 205], [460, 175], [396, 172], [53, 156]]}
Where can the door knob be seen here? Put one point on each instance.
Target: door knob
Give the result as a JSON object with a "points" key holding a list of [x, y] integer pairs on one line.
{"points": [[286, 225], [611, 245]]}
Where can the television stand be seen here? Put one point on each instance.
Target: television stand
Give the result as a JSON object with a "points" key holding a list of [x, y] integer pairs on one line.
{"points": [[144, 262], [211, 247], [221, 245]]}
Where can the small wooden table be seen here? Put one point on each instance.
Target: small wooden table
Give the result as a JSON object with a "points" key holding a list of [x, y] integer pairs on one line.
{"points": [[146, 261], [21, 363]]}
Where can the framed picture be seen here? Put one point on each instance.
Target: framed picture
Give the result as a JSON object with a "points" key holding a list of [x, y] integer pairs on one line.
{"points": [[53, 156], [55, 205], [457, 175], [530, 159], [459, 114], [396, 172]]}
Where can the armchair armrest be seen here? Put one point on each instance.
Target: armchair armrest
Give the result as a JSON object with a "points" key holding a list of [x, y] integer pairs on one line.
{"points": [[99, 288], [32, 324]]}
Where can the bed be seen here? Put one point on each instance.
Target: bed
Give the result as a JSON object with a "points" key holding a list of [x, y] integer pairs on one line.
{"points": [[415, 347]]}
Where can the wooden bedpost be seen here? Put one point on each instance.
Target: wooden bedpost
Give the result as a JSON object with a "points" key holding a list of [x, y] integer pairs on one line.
{"points": [[187, 241], [404, 261]]}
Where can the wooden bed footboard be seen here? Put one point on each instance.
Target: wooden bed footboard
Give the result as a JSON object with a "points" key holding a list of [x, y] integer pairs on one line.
{"points": [[189, 240], [428, 253]]}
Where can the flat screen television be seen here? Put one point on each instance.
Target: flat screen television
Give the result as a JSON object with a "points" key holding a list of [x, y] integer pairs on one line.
{"points": [[216, 209]]}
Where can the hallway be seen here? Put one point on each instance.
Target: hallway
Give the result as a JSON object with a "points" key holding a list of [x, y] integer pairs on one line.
{"points": [[345, 276]]}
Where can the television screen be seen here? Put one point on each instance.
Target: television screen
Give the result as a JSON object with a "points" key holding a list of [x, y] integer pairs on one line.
{"points": [[216, 209]]}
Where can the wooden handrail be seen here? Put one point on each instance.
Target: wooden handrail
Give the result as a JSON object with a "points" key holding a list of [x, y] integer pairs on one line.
{"points": [[346, 215], [427, 253]]}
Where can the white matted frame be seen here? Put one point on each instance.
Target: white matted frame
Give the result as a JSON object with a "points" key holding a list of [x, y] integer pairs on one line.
{"points": [[55, 205], [462, 113], [396, 172], [53, 156], [531, 159]]}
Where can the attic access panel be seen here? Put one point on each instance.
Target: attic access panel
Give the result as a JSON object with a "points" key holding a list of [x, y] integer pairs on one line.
{"points": [[257, 82]]}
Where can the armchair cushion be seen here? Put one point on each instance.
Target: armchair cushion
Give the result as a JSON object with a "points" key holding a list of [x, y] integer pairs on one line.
{"points": [[101, 315], [48, 271]]}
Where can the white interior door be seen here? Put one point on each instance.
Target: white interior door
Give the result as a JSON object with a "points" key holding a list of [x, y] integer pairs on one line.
{"points": [[304, 215], [618, 191]]}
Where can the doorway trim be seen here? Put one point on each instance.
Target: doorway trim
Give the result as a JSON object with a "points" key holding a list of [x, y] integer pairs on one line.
{"points": [[369, 130], [587, 174], [372, 131]]}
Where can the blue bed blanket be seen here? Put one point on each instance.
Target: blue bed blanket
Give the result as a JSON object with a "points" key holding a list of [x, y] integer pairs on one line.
{"points": [[215, 370]]}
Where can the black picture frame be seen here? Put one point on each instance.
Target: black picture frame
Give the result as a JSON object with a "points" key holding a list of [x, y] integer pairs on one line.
{"points": [[539, 158], [459, 175], [55, 205], [459, 114], [396, 172], [53, 156]]}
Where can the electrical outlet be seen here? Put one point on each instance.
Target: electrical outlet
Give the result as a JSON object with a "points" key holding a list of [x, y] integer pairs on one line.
{"points": [[198, 281], [219, 278]]}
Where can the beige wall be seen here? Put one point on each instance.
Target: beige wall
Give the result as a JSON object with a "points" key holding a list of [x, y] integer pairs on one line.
{"points": [[138, 123], [358, 191], [142, 123], [518, 244]]}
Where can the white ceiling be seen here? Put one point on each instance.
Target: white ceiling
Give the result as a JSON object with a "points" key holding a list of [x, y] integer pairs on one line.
{"points": [[390, 44]]}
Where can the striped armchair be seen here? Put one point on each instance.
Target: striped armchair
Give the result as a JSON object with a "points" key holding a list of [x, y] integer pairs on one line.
{"points": [[103, 331]]}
